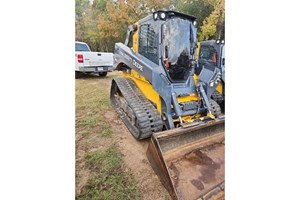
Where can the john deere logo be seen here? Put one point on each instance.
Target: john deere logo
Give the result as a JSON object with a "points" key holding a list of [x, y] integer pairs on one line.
{"points": [[137, 65]]}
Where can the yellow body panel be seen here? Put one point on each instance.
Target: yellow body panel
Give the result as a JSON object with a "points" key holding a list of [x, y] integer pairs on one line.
{"points": [[192, 97], [146, 88], [135, 39], [196, 79], [190, 118], [153, 96], [220, 88]]}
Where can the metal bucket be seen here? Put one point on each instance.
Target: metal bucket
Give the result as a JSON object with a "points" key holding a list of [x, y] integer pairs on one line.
{"points": [[190, 160]]}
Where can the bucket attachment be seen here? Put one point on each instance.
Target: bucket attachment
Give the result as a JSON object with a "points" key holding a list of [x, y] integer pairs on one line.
{"points": [[190, 160]]}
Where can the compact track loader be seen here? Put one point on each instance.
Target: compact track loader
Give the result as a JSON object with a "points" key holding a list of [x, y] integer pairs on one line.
{"points": [[160, 96], [212, 55]]}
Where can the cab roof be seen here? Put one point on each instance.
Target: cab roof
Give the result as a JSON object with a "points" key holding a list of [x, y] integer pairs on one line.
{"points": [[171, 13]]}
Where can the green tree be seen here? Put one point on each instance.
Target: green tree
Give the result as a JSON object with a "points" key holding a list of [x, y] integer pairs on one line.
{"points": [[92, 33], [81, 7], [87, 29], [210, 16], [113, 23], [214, 25], [102, 23], [201, 9]]}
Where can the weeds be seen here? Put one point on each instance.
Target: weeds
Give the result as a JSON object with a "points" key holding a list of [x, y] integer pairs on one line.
{"points": [[106, 131], [91, 121], [99, 174], [92, 100], [108, 180]]}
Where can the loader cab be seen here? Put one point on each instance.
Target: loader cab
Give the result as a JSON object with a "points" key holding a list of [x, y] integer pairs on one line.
{"points": [[178, 48], [212, 55], [167, 39]]}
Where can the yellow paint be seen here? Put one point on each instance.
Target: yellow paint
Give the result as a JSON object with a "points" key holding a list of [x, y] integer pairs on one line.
{"points": [[192, 97], [135, 39], [190, 119], [220, 88], [196, 79], [211, 115], [153, 96], [146, 88]]}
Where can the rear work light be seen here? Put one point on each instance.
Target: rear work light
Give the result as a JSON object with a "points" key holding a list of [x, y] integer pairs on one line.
{"points": [[80, 58]]}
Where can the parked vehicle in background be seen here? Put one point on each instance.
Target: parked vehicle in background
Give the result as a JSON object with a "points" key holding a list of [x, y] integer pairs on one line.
{"points": [[87, 61], [212, 56]]}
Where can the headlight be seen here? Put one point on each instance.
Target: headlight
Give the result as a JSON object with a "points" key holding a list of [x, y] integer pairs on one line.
{"points": [[155, 16], [218, 41], [211, 84], [195, 23], [162, 15], [222, 41]]}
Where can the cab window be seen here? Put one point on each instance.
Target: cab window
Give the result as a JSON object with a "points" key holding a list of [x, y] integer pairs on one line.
{"points": [[208, 55], [148, 43]]}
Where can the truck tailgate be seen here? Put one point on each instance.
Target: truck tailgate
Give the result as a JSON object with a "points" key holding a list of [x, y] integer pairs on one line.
{"points": [[95, 59]]}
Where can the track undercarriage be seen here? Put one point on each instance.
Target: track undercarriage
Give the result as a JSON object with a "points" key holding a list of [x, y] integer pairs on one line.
{"points": [[137, 112]]}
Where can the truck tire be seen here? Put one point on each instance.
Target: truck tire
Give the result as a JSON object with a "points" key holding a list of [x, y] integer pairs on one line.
{"points": [[77, 74], [102, 74]]}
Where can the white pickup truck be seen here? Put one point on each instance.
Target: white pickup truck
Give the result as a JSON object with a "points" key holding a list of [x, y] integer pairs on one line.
{"points": [[87, 61]]}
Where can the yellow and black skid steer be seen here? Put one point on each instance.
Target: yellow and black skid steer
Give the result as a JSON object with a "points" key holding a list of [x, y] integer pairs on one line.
{"points": [[160, 96]]}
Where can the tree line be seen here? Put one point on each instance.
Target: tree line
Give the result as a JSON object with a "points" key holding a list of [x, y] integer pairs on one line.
{"points": [[102, 23]]}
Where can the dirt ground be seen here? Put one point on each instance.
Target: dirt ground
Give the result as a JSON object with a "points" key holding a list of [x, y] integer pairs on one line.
{"points": [[132, 151]]}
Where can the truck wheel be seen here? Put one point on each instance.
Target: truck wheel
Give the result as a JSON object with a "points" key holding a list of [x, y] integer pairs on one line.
{"points": [[215, 108], [102, 73], [77, 74]]}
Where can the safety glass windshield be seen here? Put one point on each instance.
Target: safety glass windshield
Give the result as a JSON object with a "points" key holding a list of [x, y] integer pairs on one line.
{"points": [[178, 39], [208, 56]]}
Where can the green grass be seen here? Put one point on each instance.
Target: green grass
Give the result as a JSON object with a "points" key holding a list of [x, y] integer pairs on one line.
{"points": [[91, 121], [106, 131], [113, 76], [108, 180], [100, 174], [92, 100], [104, 101]]}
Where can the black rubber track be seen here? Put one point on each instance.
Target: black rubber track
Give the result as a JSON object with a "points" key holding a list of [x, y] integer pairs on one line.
{"points": [[216, 109], [147, 119], [217, 97]]}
